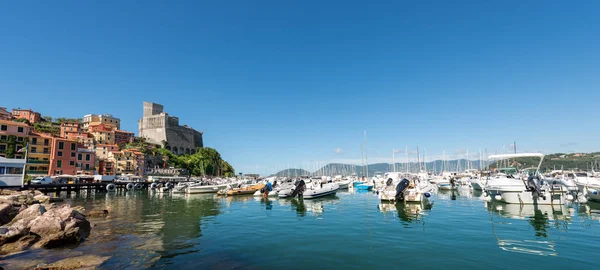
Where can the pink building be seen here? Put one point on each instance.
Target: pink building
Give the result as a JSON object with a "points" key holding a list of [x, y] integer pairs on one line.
{"points": [[28, 114], [86, 161], [20, 131], [63, 157]]}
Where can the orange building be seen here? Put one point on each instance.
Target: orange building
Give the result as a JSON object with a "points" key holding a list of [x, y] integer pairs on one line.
{"points": [[103, 134], [28, 114], [70, 130], [4, 114], [123, 137], [63, 157], [106, 167]]}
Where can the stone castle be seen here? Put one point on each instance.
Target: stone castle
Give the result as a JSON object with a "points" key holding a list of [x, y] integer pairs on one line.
{"points": [[159, 127]]}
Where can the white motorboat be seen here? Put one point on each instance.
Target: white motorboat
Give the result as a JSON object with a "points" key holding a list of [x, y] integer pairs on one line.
{"points": [[477, 184], [200, 188], [534, 190], [343, 184], [316, 190], [415, 190]]}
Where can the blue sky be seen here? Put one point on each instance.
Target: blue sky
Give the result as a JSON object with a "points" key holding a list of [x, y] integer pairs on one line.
{"points": [[289, 83]]}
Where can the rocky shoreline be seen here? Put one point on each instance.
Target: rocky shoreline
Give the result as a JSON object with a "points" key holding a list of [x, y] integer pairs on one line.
{"points": [[32, 220]]}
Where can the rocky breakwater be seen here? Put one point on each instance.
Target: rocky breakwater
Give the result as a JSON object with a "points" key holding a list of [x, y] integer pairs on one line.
{"points": [[28, 219]]}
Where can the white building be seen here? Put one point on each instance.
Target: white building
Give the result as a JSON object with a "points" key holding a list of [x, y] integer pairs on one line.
{"points": [[11, 172]]}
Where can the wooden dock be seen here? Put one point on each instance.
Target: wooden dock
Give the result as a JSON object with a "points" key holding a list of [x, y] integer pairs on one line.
{"points": [[95, 186]]}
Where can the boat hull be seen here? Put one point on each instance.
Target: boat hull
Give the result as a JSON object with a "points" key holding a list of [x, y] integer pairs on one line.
{"points": [[205, 189], [526, 197]]}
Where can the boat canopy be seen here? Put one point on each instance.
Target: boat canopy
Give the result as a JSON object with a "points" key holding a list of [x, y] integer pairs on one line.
{"points": [[518, 155]]}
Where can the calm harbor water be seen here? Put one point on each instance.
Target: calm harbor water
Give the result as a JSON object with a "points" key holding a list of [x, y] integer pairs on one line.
{"points": [[346, 231]]}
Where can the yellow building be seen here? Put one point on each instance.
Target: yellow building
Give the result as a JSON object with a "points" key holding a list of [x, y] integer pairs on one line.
{"points": [[38, 156], [128, 162], [97, 119]]}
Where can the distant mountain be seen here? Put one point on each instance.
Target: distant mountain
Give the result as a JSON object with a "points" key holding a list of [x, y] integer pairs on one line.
{"points": [[347, 169], [292, 173]]}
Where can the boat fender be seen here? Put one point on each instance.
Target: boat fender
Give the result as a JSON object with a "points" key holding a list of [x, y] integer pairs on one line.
{"points": [[169, 185], [138, 186], [570, 197], [111, 187], [129, 186], [427, 194], [498, 197], [595, 192], [153, 186]]}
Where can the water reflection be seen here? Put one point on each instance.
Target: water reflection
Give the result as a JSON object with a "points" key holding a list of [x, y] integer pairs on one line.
{"points": [[407, 212], [315, 206], [540, 217]]}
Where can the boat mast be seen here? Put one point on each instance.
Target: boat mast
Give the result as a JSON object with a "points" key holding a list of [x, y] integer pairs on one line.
{"points": [[407, 163], [362, 163], [394, 159], [366, 155]]}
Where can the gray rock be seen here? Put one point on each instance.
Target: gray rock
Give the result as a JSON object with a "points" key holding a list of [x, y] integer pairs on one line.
{"points": [[32, 212], [9, 234], [21, 244], [7, 213], [80, 262]]}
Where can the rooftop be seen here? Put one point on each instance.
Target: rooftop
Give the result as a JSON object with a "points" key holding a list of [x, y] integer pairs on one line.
{"points": [[8, 122]]}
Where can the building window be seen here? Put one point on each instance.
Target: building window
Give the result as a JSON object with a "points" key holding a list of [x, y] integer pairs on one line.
{"points": [[34, 141], [72, 154], [19, 139], [33, 149], [59, 163], [20, 129], [87, 167], [46, 151], [3, 137], [13, 170], [61, 145], [73, 146], [4, 127], [79, 156], [59, 153], [2, 147], [46, 142], [87, 157], [72, 163]]}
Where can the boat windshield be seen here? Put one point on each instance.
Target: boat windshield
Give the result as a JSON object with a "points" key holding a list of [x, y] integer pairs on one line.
{"points": [[581, 174]]}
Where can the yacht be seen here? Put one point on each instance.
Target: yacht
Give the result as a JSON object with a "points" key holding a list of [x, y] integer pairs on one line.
{"points": [[415, 190], [527, 189]]}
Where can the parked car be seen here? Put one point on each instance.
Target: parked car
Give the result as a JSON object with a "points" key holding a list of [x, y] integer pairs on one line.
{"points": [[42, 180]]}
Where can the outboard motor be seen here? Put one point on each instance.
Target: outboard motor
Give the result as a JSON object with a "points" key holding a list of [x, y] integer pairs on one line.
{"points": [[389, 182], [452, 182], [300, 187], [533, 185], [400, 189], [274, 183]]}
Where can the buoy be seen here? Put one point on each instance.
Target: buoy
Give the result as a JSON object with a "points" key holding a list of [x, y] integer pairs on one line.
{"points": [[111, 187], [427, 194], [595, 192], [498, 197], [153, 186], [169, 185], [129, 186], [569, 197], [138, 186]]}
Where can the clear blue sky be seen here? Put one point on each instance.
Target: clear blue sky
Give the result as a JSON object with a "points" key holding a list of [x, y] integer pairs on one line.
{"points": [[278, 83]]}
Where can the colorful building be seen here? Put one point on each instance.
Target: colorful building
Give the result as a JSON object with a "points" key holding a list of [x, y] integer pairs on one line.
{"points": [[63, 157], [96, 119], [13, 137], [123, 137], [70, 130], [4, 114], [106, 167], [28, 114], [128, 162], [102, 133], [86, 161], [39, 154], [103, 150]]}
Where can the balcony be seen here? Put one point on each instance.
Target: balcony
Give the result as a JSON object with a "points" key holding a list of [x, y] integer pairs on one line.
{"points": [[44, 172], [33, 161]]}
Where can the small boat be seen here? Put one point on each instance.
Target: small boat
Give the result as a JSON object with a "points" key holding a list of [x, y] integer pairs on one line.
{"points": [[200, 188], [445, 184], [292, 191], [241, 190], [317, 190], [343, 184], [364, 186], [406, 190]]}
